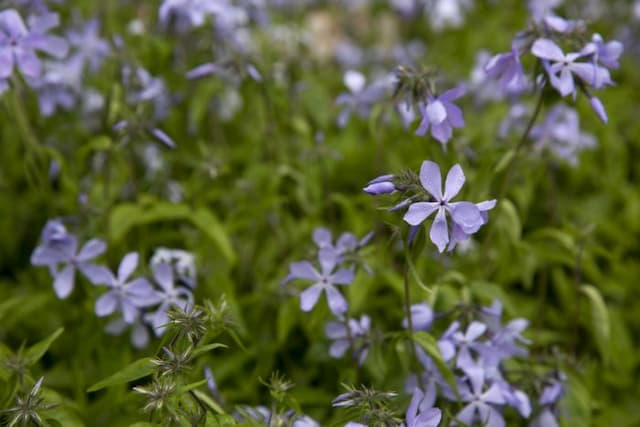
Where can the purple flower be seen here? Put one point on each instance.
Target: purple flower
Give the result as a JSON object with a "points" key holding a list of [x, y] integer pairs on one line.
{"points": [[57, 248], [169, 295], [325, 281], [380, 185], [347, 242], [480, 401], [465, 342], [560, 133], [458, 235], [18, 44], [561, 68], [507, 69], [126, 296], [420, 413], [90, 48], [360, 98], [358, 332], [190, 13], [421, 317], [465, 215], [442, 115], [139, 331], [607, 54]]}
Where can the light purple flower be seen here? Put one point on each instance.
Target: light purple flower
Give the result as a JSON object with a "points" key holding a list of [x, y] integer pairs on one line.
{"points": [[421, 317], [560, 132], [139, 331], [465, 342], [57, 248], [465, 215], [480, 399], [380, 185], [507, 69], [124, 295], [442, 115], [325, 279], [169, 296], [361, 97], [607, 54], [458, 235], [358, 332], [561, 68], [420, 413], [89, 47], [18, 44]]}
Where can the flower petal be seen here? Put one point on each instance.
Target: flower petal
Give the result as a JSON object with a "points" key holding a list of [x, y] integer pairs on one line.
{"points": [[91, 249], [163, 273], [436, 112], [63, 284], [418, 212], [439, 233], [106, 304], [309, 297], [431, 179], [547, 49], [337, 303], [454, 182], [127, 265]]}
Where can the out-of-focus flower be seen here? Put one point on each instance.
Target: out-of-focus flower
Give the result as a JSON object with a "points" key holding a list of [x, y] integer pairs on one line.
{"points": [[18, 44], [420, 413], [442, 115], [325, 279], [170, 295], [125, 295], [507, 69], [342, 338]]}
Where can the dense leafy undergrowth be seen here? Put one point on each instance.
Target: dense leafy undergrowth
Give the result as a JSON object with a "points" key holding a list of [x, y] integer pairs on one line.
{"points": [[190, 237]]}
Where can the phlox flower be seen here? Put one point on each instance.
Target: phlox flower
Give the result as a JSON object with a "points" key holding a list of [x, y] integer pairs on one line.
{"points": [[465, 215], [441, 115], [325, 280]]}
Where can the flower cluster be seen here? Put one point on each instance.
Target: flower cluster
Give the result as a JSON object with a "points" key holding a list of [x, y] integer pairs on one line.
{"points": [[466, 217], [478, 350], [583, 68], [136, 299], [337, 263]]}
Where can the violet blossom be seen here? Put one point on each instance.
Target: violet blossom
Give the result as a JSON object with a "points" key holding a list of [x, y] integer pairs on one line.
{"points": [[466, 215], [442, 115]]}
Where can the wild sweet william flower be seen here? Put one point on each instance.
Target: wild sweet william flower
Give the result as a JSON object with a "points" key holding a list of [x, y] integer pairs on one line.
{"points": [[561, 68], [380, 185], [126, 296], [59, 247], [560, 133], [421, 317], [18, 44], [358, 332], [507, 69], [139, 331], [325, 279], [361, 97], [169, 296], [465, 215], [420, 413], [441, 115], [480, 401]]}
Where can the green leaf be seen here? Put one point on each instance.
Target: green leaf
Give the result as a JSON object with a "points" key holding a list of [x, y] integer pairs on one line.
{"points": [[208, 401], [127, 215], [188, 387], [430, 346], [204, 349], [509, 221], [600, 325], [209, 224], [138, 369], [504, 161], [575, 405], [36, 351]]}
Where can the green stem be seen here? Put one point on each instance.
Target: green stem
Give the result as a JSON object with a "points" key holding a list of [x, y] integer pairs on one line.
{"points": [[407, 307], [521, 142]]}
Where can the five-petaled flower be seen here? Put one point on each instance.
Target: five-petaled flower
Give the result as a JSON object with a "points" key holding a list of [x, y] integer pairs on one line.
{"points": [[126, 296], [442, 115], [325, 279], [466, 216], [18, 44]]}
